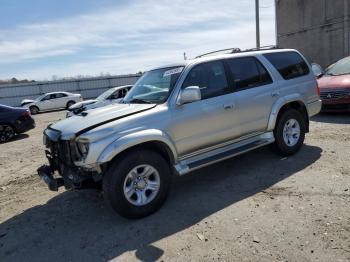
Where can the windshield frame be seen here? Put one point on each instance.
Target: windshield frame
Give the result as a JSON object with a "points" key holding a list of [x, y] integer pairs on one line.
{"points": [[171, 87]]}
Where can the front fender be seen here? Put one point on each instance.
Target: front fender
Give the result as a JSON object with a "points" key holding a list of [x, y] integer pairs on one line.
{"points": [[278, 105], [134, 139]]}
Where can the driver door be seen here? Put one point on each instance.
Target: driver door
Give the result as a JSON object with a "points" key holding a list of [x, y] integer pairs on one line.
{"points": [[213, 119], [47, 102]]}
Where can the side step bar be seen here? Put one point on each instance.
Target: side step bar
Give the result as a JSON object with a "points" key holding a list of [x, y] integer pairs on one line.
{"points": [[198, 161]]}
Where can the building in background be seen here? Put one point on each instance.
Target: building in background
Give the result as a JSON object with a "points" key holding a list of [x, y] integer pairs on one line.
{"points": [[318, 28]]}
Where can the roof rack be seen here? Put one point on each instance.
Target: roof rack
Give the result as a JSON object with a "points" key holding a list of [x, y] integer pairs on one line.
{"points": [[238, 50]]}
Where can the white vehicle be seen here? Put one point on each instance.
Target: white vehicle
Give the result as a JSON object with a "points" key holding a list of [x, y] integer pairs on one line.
{"points": [[112, 95], [51, 101]]}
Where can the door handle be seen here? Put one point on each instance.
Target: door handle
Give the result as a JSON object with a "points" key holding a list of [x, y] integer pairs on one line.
{"points": [[275, 94], [229, 106]]}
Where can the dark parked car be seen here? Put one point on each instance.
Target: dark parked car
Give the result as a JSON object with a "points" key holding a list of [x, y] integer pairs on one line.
{"points": [[14, 120]]}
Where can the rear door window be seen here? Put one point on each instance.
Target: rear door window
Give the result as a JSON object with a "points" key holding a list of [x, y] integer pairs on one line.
{"points": [[59, 95], [289, 64], [209, 77], [248, 72]]}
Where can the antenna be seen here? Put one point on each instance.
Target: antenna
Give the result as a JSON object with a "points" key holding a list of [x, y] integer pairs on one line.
{"points": [[185, 57]]}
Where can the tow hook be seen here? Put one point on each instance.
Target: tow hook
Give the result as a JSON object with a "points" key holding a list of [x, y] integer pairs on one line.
{"points": [[46, 173]]}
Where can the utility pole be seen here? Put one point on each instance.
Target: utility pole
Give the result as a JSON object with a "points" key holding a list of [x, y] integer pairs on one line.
{"points": [[257, 24]]}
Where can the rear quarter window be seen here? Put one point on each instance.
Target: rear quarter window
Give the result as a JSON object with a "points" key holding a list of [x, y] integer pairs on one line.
{"points": [[289, 64]]}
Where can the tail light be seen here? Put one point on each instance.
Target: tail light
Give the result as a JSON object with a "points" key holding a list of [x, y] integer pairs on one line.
{"points": [[318, 89], [26, 114]]}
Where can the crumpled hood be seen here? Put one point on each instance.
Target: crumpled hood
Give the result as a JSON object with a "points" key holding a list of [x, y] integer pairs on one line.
{"points": [[81, 104], [78, 124]]}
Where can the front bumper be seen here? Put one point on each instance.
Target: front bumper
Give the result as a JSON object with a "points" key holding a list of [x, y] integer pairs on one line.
{"points": [[67, 176], [61, 170], [337, 105]]}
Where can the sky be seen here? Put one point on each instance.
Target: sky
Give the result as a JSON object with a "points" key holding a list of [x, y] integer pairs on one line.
{"points": [[42, 39]]}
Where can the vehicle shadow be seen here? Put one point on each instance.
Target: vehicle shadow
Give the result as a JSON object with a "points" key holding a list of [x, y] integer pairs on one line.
{"points": [[332, 118], [78, 226], [16, 138]]}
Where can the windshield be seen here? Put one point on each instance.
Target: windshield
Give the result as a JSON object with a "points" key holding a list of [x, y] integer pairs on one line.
{"points": [[40, 97], [154, 86], [105, 94], [342, 67]]}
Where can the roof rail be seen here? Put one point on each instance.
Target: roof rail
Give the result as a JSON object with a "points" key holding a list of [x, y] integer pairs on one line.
{"points": [[238, 50]]}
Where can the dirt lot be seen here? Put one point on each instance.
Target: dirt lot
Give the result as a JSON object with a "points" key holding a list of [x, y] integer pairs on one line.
{"points": [[255, 207]]}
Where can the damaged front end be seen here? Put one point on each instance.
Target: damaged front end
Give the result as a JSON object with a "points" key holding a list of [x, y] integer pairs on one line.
{"points": [[61, 155]]}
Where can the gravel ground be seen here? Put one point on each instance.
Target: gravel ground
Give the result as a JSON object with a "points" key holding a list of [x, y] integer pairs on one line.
{"points": [[255, 207]]}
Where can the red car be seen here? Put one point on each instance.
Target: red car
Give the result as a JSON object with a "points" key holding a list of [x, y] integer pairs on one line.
{"points": [[334, 84]]}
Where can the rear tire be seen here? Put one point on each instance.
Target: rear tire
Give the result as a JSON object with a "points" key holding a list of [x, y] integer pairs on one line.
{"points": [[6, 133], [137, 184], [289, 133], [70, 103], [34, 110]]}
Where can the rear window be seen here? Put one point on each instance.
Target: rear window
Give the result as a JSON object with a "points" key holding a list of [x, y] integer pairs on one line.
{"points": [[289, 64]]}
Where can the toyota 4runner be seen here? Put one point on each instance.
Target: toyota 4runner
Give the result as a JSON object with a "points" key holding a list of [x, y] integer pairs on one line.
{"points": [[182, 117]]}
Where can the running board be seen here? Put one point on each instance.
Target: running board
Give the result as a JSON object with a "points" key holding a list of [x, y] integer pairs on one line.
{"points": [[201, 160]]}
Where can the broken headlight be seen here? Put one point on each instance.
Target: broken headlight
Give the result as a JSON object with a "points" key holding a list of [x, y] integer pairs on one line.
{"points": [[83, 147]]}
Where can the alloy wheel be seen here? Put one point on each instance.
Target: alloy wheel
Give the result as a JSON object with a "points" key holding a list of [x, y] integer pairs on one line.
{"points": [[141, 185], [291, 132], [6, 133]]}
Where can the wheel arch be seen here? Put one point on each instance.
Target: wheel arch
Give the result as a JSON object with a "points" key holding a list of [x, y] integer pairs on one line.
{"points": [[70, 101], [148, 139], [34, 105], [293, 102]]}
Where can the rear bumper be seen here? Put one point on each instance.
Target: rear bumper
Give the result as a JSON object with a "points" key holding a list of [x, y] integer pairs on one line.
{"points": [[26, 125], [314, 108]]}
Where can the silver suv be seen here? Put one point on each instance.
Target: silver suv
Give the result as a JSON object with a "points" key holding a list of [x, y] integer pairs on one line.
{"points": [[180, 118]]}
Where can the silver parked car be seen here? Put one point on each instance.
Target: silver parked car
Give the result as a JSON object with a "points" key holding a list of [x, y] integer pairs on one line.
{"points": [[112, 95], [51, 101], [182, 117]]}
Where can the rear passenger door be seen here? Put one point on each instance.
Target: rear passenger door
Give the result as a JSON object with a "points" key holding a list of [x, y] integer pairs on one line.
{"points": [[255, 93], [60, 100]]}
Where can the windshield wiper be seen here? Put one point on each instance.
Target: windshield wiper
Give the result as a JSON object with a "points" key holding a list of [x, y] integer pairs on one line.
{"points": [[139, 101]]}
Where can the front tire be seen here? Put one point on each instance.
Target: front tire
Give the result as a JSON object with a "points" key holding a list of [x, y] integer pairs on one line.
{"points": [[69, 104], [289, 133], [34, 110], [137, 184]]}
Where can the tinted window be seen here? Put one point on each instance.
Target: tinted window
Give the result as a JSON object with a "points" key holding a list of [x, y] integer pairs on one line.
{"points": [[289, 64], [59, 95], [248, 72], [210, 77], [115, 95], [46, 97], [123, 92]]}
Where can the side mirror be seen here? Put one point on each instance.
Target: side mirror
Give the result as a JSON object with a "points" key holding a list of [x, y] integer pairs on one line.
{"points": [[317, 70], [188, 95]]}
